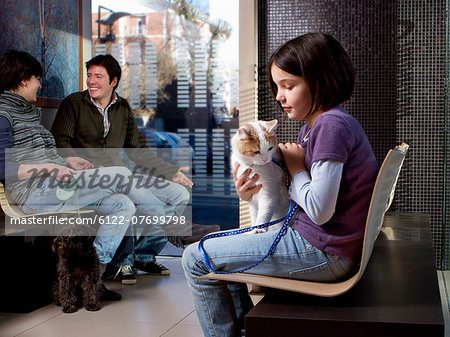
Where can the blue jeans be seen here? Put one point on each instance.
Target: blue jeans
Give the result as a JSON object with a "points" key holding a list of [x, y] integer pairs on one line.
{"points": [[144, 249], [221, 306], [118, 200]]}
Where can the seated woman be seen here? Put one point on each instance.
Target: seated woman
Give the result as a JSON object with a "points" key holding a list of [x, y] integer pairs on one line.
{"points": [[333, 173]]}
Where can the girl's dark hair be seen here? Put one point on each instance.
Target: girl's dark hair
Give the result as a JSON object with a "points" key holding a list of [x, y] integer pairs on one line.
{"points": [[16, 66], [322, 62], [111, 65]]}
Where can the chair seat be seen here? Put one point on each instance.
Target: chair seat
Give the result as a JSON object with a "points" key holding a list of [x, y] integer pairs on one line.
{"points": [[305, 287]]}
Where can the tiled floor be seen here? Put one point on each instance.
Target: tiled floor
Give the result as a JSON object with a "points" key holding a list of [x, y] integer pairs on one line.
{"points": [[156, 306]]}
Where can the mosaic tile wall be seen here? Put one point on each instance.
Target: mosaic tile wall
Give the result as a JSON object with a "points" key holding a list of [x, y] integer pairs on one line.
{"points": [[398, 50], [446, 204]]}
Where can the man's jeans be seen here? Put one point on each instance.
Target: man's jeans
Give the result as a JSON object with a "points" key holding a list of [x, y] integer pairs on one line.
{"points": [[117, 201], [221, 306], [143, 249]]}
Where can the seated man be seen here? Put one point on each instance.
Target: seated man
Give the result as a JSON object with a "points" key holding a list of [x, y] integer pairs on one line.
{"points": [[98, 118]]}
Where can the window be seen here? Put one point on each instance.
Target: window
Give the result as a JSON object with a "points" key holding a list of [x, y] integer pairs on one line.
{"points": [[180, 73]]}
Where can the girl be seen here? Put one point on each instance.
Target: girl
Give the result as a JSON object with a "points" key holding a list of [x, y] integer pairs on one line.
{"points": [[333, 171]]}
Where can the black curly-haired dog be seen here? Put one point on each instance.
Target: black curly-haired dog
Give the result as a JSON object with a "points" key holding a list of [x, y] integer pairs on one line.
{"points": [[78, 269]]}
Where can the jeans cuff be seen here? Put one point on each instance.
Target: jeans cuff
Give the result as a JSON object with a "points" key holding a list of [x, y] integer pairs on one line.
{"points": [[145, 258]]}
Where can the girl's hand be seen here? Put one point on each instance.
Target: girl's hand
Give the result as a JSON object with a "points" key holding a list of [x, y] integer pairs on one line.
{"points": [[243, 183], [294, 157]]}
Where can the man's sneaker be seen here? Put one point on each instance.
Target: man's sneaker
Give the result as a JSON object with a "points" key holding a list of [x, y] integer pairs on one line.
{"points": [[110, 271], [152, 268], [125, 275]]}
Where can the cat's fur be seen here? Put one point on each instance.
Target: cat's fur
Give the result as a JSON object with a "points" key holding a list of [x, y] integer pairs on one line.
{"points": [[253, 146]]}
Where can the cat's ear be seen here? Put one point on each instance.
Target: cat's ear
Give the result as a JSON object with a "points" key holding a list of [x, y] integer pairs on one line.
{"points": [[244, 132], [271, 126]]}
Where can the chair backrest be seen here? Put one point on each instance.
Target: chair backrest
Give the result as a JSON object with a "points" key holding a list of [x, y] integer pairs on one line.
{"points": [[382, 197], [10, 209]]}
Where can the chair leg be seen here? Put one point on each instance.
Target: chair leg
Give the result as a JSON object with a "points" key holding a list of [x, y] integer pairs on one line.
{"points": [[257, 290]]}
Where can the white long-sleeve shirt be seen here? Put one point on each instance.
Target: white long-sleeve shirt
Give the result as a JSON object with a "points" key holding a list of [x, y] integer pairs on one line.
{"points": [[317, 193]]}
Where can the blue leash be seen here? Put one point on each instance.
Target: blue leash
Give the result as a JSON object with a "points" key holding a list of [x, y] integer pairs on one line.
{"points": [[281, 232]]}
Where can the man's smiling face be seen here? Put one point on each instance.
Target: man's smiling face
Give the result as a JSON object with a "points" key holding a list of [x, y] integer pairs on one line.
{"points": [[100, 87]]}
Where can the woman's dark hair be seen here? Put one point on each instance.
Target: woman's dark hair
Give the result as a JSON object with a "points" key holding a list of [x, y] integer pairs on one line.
{"points": [[111, 65], [16, 66], [322, 62]]}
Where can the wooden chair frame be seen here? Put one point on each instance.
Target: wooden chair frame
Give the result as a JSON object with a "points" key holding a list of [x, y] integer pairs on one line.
{"points": [[382, 197]]}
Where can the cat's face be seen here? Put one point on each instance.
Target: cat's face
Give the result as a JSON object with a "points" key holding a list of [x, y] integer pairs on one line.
{"points": [[256, 142]]}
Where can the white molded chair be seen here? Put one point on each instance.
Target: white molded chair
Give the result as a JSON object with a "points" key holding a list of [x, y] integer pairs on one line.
{"points": [[382, 197]]}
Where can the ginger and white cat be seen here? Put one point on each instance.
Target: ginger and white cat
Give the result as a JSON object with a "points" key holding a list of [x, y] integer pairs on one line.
{"points": [[253, 146]]}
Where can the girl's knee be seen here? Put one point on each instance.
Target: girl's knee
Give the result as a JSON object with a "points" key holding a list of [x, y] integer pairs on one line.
{"points": [[190, 257]]}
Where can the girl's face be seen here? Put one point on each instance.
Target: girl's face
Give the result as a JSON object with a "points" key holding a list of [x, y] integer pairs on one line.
{"points": [[294, 95]]}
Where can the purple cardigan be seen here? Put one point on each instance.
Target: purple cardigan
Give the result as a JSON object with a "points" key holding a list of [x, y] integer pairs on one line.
{"points": [[336, 135]]}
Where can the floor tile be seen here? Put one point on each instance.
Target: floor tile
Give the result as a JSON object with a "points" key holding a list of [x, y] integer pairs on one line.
{"points": [[181, 330], [154, 299], [13, 324], [173, 263], [191, 319], [76, 327]]}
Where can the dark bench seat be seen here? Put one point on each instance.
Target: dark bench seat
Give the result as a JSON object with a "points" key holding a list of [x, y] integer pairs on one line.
{"points": [[398, 294], [28, 269]]}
